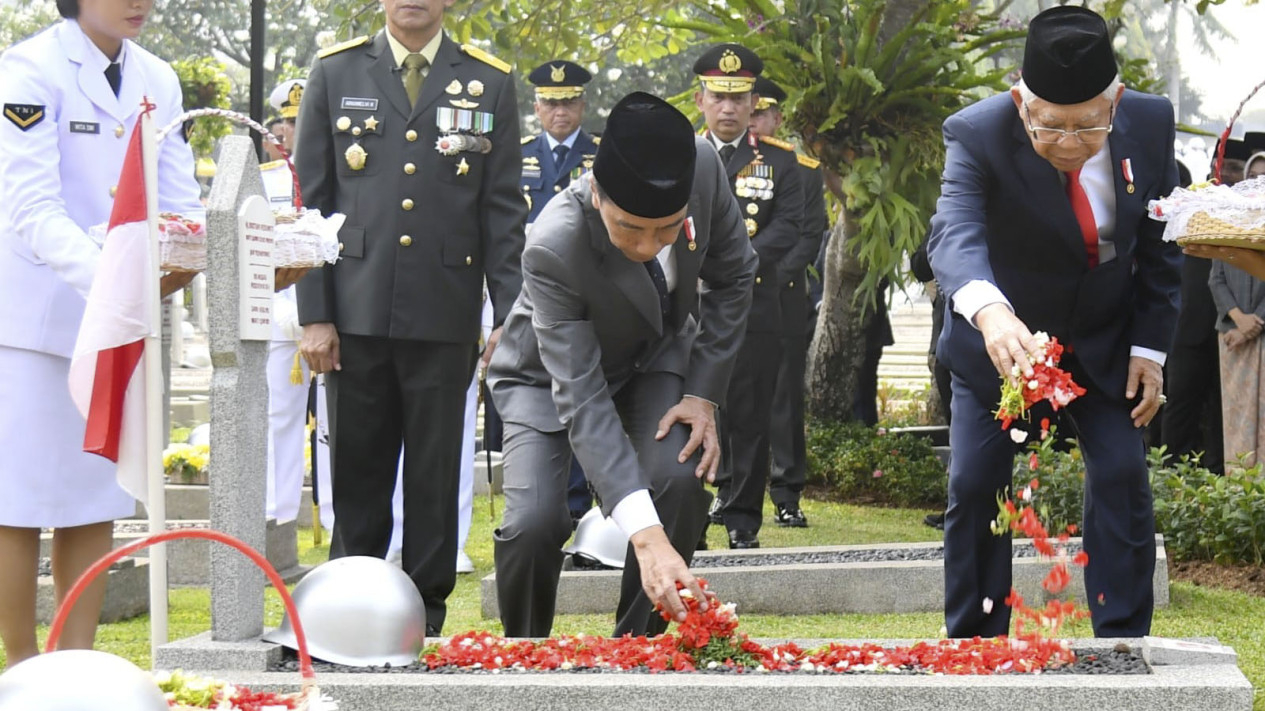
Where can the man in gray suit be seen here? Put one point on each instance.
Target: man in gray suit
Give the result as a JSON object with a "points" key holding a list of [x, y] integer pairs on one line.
{"points": [[614, 352], [415, 139]]}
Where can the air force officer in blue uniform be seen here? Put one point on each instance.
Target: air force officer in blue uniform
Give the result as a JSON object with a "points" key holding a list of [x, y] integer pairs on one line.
{"points": [[1042, 226], [564, 151]]}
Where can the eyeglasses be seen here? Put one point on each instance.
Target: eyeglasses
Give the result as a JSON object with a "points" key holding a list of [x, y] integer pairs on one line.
{"points": [[1086, 136]]}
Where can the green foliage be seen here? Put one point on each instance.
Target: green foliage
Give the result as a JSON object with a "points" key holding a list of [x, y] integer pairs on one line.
{"points": [[903, 407], [205, 85], [1203, 515], [868, 92], [180, 435], [1206, 516], [527, 33], [862, 464], [21, 20], [1060, 498]]}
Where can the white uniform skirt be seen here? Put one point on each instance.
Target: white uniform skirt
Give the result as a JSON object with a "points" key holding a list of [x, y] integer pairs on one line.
{"points": [[46, 479]]}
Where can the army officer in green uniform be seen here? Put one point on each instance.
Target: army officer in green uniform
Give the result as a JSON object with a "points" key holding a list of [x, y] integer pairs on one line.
{"points": [[415, 139]]}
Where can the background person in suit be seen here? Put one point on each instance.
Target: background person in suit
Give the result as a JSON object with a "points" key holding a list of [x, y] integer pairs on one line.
{"points": [[765, 177], [1191, 417], [1042, 226], [71, 96], [789, 456], [415, 138], [613, 352]]}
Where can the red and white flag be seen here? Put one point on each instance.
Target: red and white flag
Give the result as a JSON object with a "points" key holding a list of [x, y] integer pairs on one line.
{"points": [[107, 374]]}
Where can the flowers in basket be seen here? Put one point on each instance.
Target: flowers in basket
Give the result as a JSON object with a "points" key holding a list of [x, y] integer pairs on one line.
{"points": [[181, 243], [1215, 214], [186, 691], [186, 463], [304, 239]]}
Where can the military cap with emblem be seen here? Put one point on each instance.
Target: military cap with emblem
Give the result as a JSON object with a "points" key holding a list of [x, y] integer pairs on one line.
{"points": [[645, 163], [770, 94], [559, 80], [728, 68], [286, 97], [1068, 58]]}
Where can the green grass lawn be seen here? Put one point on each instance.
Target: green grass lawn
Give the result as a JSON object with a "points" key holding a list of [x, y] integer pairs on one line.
{"points": [[1234, 618]]}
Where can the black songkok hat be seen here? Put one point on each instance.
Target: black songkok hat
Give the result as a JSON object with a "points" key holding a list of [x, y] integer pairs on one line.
{"points": [[1255, 141], [1068, 58], [559, 79], [645, 162], [770, 94], [1234, 150]]}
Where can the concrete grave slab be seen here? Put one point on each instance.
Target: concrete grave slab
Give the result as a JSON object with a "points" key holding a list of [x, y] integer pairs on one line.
{"points": [[820, 588]]}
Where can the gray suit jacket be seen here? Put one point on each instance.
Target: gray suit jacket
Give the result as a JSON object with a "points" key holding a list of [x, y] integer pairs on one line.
{"points": [[588, 320], [1233, 287], [423, 229]]}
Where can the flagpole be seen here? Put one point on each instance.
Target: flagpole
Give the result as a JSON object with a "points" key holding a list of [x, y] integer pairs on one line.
{"points": [[155, 437]]}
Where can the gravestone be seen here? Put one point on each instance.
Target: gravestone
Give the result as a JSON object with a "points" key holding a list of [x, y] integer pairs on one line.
{"points": [[239, 400]]}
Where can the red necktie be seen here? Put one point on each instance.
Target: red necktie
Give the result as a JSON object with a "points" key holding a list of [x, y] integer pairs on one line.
{"points": [[1084, 215]]}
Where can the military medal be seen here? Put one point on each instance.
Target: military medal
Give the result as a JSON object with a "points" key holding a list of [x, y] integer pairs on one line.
{"points": [[1126, 169], [474, 88], [463, 167], [356, 156], [752, 209], [343, 123], [454, 87], [689, 233], [371, 124], [452, 144], [751, 227], [464, 103]]}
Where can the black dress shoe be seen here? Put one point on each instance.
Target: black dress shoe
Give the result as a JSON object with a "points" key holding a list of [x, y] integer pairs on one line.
{"points": [[742, 540], [713, 514], [702, 539], [432, 632], [790, 516], [936, 521]]}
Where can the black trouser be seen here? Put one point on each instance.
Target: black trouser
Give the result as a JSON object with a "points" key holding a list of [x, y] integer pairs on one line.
{"points": [[1119, 526], [528, 545], [786, 430], [745, 423], [393, 391], [1192, 415]]}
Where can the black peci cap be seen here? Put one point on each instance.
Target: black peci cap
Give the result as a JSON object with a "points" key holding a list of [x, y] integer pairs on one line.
{"points": [[645, 162], [1068, 57]]}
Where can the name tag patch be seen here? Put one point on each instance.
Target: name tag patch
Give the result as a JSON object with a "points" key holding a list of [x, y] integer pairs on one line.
{"points": [[363, 104], [24, 116], [85, 127]]}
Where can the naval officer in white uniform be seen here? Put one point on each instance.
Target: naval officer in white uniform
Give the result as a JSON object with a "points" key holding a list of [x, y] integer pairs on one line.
{"points": [[69, 98]]}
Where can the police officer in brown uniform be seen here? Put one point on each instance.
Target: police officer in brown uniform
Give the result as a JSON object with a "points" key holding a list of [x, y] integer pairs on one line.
{"points": [[764, 176], [415, 138]]}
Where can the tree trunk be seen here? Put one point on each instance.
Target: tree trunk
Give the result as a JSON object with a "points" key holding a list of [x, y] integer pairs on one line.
{"points": [[838, 346]]}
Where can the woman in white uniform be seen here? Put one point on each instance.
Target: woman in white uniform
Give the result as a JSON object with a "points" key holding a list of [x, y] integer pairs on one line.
{"points": [[70, 96]]}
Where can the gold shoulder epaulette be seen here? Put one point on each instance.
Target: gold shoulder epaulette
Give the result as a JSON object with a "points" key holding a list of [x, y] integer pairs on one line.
{"points": [[597, 140], [529, 139], [810, 163], [342, 46], [485, 57], [778, 142]]}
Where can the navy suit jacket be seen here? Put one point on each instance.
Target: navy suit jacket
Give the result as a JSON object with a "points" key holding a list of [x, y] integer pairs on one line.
{"points": [[541, 180], [1004, 217]]}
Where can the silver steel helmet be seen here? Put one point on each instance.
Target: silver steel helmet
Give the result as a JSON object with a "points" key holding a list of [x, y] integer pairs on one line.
{"points": [[96, 681], [599, 539], [359, 611]]}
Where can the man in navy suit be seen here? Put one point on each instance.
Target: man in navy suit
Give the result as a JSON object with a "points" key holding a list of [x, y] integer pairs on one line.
{"points": [[1042, 226], [564, 151]]}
